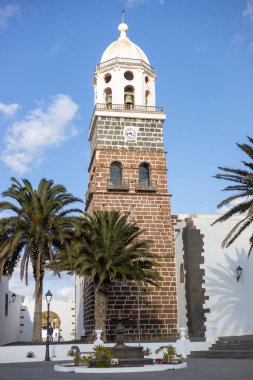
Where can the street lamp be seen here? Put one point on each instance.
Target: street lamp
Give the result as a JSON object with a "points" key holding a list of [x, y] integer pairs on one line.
{"points": [[48, 296], [13, 297]]}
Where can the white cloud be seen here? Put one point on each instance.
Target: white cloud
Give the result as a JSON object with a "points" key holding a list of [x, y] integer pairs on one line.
{"points": [[227, 207], [4, 214], [201, 48], [245, 38], [133, 3], [61, 288], [238, 39], [248, 11], [7, 11], [66, 292], [9, 109], [43, 127], [19, 287], [56, 48]]}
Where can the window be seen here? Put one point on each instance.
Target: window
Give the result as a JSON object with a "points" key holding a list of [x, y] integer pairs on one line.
{"points": [[144, 174], [115, 173], [6, 304]]}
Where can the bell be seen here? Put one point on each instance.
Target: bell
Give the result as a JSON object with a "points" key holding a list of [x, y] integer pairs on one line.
{"points": [[129, 99], [109, 99]]}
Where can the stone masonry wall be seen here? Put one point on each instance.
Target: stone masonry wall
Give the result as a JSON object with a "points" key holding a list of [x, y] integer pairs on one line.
{"points": [[130, 160], [109, 133], [193, 242], [158, 305], [150, 209]]}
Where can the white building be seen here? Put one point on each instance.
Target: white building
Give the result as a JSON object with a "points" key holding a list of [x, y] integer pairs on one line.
{"points": [[10, 313], [16, 317], [209, 293]]}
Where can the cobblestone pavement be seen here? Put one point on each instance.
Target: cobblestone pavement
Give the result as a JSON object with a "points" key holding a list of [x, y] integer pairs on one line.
{"points": [[198, 369]]}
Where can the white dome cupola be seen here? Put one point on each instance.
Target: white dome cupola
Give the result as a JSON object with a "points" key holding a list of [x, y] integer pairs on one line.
{"points": [[123, 48], [124, 76]]}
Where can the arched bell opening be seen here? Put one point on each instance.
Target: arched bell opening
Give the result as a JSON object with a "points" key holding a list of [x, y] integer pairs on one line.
{"points": [[129, 96], [147, 98], [108, 96]]}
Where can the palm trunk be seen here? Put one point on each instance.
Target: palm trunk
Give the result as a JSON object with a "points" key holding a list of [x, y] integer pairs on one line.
{"points": [[37, 322], [101, 300]]}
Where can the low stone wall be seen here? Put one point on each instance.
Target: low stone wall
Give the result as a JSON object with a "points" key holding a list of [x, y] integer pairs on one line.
{"points": [[15, 354]]}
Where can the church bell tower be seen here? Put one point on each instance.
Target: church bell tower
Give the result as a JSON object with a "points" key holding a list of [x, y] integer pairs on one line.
{"points": [[127, 172]]}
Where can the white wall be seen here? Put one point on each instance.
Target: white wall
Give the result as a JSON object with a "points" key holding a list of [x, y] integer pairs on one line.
{"points": [[229, 301], [10, 323], [118, 83], [59, 352], [64, 309], [182, 320], [79, 283]]}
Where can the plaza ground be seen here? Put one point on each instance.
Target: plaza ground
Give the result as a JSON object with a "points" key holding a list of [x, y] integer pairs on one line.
{"points": [[207, 369]]}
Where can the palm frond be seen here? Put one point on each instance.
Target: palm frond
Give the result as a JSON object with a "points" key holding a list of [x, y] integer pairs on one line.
{"points": [[243, 191]]}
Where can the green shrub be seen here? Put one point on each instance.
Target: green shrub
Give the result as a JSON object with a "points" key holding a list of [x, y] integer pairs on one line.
{"points": [[76, 356], [30, 354], [102, 356], [86, 360], [146, 351], [170, 355]]}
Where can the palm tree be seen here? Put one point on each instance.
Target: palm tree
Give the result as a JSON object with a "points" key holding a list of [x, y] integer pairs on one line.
{"points": [[109, 248], [39, 224], [242, 180]]}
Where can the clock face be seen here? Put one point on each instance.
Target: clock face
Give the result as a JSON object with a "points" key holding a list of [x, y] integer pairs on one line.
{"points": [[130, 133]]}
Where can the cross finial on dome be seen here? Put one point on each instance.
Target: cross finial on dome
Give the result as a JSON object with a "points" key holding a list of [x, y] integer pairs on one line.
{"points": [[122, 16]]}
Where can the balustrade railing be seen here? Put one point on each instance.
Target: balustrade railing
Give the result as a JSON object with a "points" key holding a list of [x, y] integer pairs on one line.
{"points": [[130, 61], [145, 185], [127, 107], [117, 184]]}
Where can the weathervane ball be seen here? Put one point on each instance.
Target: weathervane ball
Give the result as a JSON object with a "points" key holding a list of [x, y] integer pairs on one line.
{"points": [[122, 27]]}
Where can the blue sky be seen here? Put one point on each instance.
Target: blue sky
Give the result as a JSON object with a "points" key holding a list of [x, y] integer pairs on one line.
{"points": [[203, 55]]}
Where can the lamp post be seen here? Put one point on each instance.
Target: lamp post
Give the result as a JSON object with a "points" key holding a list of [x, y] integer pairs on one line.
{"points": [[48, 296], [13, 297], [139, 314]]}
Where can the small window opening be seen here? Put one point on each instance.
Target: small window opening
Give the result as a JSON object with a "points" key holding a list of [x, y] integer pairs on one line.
{"points": [[181, 273], [6, 304], [129, 75], [107, 77]]}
